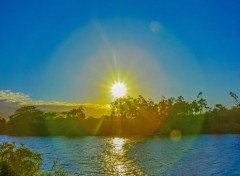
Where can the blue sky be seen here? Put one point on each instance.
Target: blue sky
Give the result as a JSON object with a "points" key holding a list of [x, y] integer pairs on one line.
{"points": [[33, 32]]}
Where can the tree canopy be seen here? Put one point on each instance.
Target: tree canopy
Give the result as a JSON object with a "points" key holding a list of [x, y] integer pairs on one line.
{"points": [[129, 117]]}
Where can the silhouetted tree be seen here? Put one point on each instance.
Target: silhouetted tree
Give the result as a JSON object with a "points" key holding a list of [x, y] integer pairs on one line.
{"points": [[76, 113], [129, 116], [134, 116], [202, 103], [27, 121], [235, 97], [3, 125]]}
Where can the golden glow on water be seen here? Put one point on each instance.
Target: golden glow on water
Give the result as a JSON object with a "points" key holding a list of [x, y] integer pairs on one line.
{"points": [[118, 144], [115, 160]]}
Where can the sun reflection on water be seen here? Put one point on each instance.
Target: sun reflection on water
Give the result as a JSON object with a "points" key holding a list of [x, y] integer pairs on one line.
{"points": [[118, 144], [115, 160]]}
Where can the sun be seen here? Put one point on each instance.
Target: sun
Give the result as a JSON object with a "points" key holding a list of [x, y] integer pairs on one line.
{"points": [[118, 89]]}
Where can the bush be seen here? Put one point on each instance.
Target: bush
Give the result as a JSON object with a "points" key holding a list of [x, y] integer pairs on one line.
{"points": [[18, 161], [21, 161]]}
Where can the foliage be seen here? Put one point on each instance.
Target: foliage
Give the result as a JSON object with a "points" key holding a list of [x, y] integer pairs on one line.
{"points": [[235, 97], [21, 161], [18, 161], [30, 121], [56, 170], [27, 121], [129, 117], [3, 125]]}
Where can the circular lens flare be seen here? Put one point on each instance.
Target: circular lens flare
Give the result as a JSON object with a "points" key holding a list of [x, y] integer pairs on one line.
{"points": [[118, 89]]}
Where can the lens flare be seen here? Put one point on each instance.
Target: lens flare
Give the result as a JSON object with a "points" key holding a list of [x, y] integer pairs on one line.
{"points": [[118, 89]]}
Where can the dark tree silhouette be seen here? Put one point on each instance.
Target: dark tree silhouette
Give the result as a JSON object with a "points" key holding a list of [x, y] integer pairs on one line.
{"points": [[129, 117], [3, 125], [27, 121], [235, 97]]}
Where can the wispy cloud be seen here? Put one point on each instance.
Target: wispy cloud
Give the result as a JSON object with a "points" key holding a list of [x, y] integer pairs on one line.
{"points": [[14, 97], [10, 101]]}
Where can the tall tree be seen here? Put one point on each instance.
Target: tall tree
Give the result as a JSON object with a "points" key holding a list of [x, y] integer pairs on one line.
{"points": [[27, 121]]}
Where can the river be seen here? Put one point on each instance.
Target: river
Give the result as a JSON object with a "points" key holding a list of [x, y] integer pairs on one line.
{"points": [[193, 155]]}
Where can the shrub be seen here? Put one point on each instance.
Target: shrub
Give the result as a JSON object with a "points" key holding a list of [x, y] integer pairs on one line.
{"points": [[18, 161], [21, 161]]}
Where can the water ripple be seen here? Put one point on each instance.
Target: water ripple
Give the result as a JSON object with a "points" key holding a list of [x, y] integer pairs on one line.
{"points": [[200, 155]]}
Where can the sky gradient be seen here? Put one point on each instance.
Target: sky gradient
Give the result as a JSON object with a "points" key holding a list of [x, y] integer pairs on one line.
{"points": [[72, 51]]}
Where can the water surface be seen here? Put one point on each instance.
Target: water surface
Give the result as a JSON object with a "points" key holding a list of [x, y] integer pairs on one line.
{"points": [[199, 155]]}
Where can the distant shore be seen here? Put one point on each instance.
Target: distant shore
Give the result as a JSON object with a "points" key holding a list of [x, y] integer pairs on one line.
{"points": [[129, 117]]}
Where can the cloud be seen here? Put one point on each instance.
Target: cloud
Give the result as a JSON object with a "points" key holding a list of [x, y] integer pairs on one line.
{"points": [[10, 101], [12, 97]]}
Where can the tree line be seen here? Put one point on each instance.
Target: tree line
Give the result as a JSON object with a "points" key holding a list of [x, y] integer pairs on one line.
{"points": [[129, 117]]}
